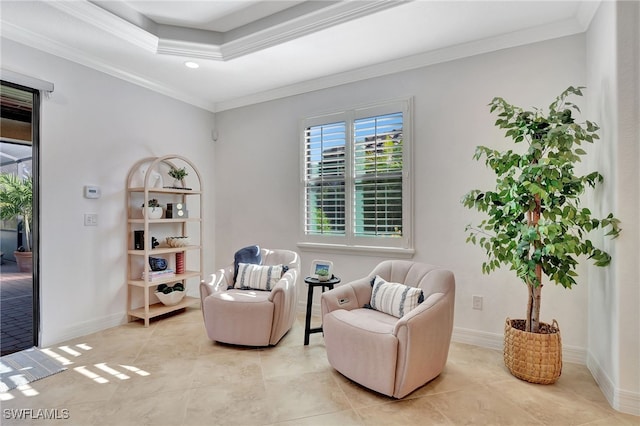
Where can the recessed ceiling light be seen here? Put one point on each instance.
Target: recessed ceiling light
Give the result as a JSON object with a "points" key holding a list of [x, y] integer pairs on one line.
{"points": [[191, 64]]}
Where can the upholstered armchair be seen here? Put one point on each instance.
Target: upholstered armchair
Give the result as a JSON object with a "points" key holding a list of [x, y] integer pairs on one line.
{"points": [[397, 351], [239, 313]]}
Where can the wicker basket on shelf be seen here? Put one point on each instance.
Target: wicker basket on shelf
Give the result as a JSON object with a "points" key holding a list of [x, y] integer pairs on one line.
{"points": [[533, 357]]}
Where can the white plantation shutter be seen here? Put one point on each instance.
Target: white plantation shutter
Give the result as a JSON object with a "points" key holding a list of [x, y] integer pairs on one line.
{"points": [[356, 188], [378, 163], [325, 179]]}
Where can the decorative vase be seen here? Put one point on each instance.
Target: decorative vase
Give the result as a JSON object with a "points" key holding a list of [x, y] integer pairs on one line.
{"points": [[152, 212], [177, 183], [323, 277], [533, 357], [180, 262]]}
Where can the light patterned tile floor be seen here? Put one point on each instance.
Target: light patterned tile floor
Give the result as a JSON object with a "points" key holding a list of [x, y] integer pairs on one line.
{"points": [[171, 374]]}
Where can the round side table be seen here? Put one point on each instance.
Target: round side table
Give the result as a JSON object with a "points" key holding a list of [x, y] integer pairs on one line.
{"points": [[312, 283]]}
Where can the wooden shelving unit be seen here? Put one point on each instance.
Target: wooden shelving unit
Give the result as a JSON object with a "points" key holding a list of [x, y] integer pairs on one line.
{"points": [[149, 179]]}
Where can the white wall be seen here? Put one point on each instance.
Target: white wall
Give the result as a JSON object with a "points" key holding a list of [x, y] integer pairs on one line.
{"points": [[257, 171], [94, 128], [613, 62]]}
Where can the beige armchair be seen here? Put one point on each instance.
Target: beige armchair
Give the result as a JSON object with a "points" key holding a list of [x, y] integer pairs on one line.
{"points": [[251, 317], [388, 354]]}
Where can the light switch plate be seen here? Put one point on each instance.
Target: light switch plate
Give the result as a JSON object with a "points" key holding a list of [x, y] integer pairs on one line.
{"points": [[90, 219]]}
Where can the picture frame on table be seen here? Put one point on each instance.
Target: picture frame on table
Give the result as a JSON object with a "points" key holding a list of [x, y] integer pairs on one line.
{"points": [[321, 270]]}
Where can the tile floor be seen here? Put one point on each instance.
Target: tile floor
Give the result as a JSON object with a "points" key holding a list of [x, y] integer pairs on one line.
{"points": [[171, 374], [16, 309]]}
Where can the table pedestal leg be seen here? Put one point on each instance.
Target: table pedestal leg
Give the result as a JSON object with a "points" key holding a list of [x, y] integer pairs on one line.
{"points": [[307, 323]]}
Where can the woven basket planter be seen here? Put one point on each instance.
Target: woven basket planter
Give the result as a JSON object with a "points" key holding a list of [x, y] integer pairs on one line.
{"points": [[534, 357]]}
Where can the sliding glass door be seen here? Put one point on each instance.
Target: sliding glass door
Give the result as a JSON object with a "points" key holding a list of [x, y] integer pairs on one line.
{"points": [[19, 236]]}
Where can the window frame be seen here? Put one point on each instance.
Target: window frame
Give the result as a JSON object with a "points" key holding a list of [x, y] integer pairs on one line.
{"points": [[400, 246]]}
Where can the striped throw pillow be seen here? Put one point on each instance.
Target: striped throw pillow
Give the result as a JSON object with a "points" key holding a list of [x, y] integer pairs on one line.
{"points": [[394, 298], [258, 277]]}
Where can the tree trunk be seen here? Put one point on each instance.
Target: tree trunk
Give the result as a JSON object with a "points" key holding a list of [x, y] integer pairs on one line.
{"points": [[527, 322], [535, 317], [535, 288]]}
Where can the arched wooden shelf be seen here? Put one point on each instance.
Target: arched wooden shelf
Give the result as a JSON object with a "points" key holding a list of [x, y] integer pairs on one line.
{"points": [[149, 179]]}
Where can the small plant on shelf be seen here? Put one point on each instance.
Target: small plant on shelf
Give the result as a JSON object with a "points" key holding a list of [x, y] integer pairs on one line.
{"points": [[152, 209], [153, 203], [178, 174]]}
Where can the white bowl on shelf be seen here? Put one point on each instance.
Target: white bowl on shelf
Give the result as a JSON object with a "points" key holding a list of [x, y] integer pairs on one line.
{"points": [[178, 241], [172, 298]]}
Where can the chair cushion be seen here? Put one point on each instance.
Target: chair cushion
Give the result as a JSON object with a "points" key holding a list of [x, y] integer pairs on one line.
{"points": [[258, 277], [249, 254], [240, 317], [394, 298], [242, 296], [367, 320], [360, 344]]}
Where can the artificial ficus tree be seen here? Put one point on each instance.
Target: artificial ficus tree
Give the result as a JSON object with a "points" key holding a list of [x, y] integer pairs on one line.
{"points": [[536, 225]]}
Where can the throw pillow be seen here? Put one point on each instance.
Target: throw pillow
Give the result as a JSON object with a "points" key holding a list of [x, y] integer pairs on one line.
{"points": [[394, 298], [250, 254], [258, 277]]}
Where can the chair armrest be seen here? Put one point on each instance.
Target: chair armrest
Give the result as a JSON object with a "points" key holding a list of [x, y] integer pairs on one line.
{"points": [[349, 296], [284, 297], [285, 284], [217, 282], [420, 315], [424, 333]]}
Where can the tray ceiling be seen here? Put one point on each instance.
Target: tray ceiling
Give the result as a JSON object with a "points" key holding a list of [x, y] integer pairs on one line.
{"points": [[253, 51]]}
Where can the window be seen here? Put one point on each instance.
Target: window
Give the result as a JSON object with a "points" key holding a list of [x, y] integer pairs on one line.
{"points": [[356, 187]]}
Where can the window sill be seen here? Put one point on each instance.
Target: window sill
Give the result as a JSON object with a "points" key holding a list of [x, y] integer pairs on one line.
{"points": [[395, 252]]}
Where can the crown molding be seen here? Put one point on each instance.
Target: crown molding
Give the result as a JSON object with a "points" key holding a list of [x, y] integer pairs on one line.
{"points": [[190, 49], [531, 35], [46, 45], [309, 23], [109, 22]]}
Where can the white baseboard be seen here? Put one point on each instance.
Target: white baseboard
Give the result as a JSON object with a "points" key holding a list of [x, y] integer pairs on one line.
{"points": [[50, 338], [478, 338], [620, 400], [572, 354]]}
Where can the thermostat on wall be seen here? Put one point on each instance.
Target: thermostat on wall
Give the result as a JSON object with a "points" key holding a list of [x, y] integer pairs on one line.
{"points": [[91, 191]]}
